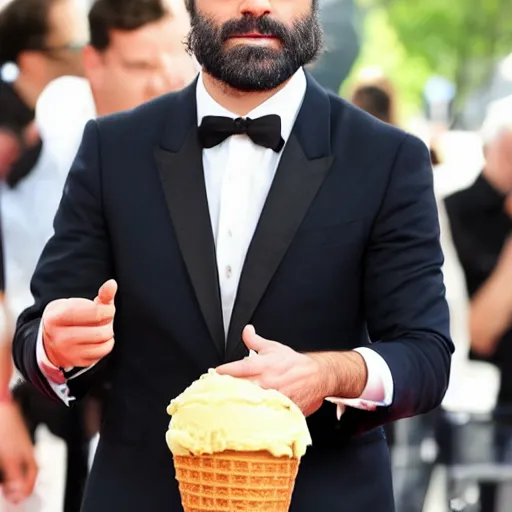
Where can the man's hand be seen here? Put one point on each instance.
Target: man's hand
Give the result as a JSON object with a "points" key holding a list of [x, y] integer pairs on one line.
{"points": [[80, 332], [17, 461], [277, 366]]}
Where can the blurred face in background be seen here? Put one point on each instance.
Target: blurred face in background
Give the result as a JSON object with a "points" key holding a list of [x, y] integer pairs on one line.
{"points": [[61, 53], [140, 64], [498, 165]]}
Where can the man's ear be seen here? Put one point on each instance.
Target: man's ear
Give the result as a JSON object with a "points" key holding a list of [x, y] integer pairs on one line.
{"points": [[93, 64], [32, 60]]}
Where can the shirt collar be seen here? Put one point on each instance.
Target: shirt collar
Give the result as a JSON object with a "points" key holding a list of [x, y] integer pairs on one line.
{"points": [[285, 103]]}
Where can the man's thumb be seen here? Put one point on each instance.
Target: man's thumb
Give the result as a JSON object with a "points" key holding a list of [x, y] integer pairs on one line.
{"points": [[107, 293], [13, 481], [253, 341]]}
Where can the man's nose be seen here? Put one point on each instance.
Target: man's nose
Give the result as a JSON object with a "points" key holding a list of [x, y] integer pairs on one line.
{"points": [[256, 8]]}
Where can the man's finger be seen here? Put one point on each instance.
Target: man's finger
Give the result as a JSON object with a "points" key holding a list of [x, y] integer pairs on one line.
{"points": [[94, 353], [253, 341], [30, 476], [85, 336], [107, 293], [13, 484], [14, 496], [23, 488], [83, 313], [248, 367]]}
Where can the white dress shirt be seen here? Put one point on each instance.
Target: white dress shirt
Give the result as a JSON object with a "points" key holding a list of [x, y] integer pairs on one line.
{"points": [[29, 208], [238, 175]]}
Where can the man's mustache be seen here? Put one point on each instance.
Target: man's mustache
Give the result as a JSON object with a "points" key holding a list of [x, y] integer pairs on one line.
{"points": [[250, 24]]}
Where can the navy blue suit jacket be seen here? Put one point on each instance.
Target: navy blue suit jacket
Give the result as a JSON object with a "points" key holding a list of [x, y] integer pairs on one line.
{"points": [[346, 253]]}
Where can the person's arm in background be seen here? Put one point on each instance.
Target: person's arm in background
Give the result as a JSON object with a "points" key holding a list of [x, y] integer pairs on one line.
{"points": [[491, 307], [18, 467], [470, 212]]}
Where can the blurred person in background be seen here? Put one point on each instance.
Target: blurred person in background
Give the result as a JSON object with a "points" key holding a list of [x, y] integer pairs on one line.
{"points": [[376, 100], [339, 19], [18, 467], [136, 52], [41, 38], [375, 94], [481, 221]]}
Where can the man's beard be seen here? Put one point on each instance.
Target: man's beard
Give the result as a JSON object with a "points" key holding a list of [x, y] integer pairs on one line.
{"points": [[249, 67]]}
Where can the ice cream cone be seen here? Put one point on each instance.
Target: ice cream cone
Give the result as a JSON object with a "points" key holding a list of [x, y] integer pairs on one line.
{"points": [[236, 446], [234, 481]]}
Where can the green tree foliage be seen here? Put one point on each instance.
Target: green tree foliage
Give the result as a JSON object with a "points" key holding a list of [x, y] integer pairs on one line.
{"points": [[458, 39]]}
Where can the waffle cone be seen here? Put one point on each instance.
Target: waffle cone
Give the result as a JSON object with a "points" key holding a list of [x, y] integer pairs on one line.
{"points": [[236, 481]]}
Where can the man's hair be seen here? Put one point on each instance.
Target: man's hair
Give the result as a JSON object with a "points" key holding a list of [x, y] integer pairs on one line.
{"points": [[24, 26], [374, 100], [127, 15], [190, 5], [498, 120]]}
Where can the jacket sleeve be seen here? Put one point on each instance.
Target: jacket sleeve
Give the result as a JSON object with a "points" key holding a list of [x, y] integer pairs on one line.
{"points": [[76, 261], [404, 295]]}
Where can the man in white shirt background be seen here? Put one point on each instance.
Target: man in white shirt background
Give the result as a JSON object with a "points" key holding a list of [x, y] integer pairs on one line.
{"points": [[135, 54]]}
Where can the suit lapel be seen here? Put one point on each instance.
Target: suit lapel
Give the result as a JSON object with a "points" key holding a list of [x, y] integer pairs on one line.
{"points": [[180, 165], [303, 167]]}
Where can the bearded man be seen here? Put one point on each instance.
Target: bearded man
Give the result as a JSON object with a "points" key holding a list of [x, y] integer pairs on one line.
{"points": [[251, 210]]}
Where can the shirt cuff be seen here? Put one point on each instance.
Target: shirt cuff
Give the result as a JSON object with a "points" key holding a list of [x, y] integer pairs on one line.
{"points": [[53, 375], [379, 388]]}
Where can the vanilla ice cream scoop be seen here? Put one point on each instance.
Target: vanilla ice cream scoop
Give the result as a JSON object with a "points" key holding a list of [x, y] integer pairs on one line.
{"points": [[219, 413]]}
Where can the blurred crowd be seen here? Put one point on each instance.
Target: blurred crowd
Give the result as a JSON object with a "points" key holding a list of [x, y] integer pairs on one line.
{"points": [[64, 63]]}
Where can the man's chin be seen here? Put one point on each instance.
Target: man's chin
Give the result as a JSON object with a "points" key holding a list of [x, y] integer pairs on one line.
{"points": [[252, 52], [247, 86], [250, 69]]}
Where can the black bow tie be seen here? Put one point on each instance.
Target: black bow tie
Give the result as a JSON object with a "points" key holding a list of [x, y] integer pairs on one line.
{"points": [[264, 131]]}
